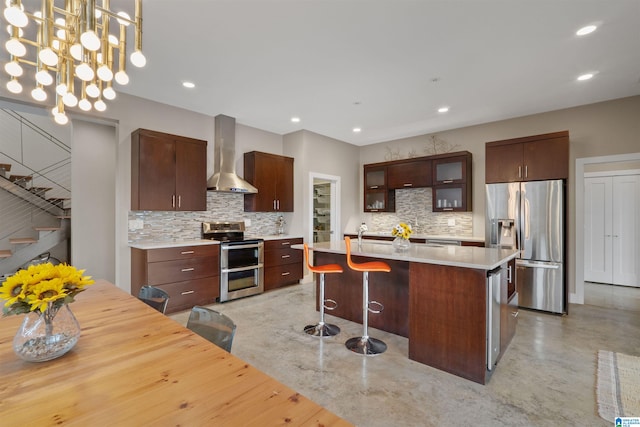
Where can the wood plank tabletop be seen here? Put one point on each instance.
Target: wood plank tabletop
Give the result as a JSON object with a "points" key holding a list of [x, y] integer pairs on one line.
{"points": [[133, 366]]}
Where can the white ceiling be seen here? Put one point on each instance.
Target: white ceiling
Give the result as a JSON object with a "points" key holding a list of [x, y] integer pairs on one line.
{"points": [[384, 65]]}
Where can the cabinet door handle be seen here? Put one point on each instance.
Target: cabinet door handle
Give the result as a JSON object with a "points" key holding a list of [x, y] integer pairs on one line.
{"points": [[286, 273], [186, 292], [186, 252], [286, 256], [447, 181], [185, 270], [526, 171], [509, 274], [274, 204], [179, 201], [173, 201], [447, 209], [286, 243], [278, 204], [373, 187], [519, 171], [407, 185]]}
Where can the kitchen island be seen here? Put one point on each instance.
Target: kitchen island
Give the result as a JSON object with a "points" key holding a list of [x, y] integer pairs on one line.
{"points": [[436, 296]]}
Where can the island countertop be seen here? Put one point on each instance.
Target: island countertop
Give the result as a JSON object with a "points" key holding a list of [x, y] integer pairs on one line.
{"points": [[454, 256]]}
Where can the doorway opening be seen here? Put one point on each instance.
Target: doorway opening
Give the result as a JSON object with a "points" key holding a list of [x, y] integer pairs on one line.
{"points": [[324, 209]]}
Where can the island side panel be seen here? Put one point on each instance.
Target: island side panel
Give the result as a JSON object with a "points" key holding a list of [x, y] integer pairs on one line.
{"points": [[447, 315], [391, 289]]}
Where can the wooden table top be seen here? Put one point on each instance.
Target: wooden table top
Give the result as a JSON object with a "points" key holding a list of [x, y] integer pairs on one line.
{"points": [[133, 366]]}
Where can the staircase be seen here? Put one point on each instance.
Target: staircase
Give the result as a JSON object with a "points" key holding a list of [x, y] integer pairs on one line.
{"points": [[35, 199]]}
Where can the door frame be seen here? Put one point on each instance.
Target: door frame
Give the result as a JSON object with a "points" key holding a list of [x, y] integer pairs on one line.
{"points": [[578, 296], [335, 204]]}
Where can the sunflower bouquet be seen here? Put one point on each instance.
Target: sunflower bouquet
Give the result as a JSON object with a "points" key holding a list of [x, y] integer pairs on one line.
{"points": [[42, 288], [402, 230]]}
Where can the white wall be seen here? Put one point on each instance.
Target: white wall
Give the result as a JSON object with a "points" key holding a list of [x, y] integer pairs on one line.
{"points": [[93, 182]]}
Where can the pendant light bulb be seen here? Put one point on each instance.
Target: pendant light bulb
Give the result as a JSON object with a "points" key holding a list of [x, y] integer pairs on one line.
{"points": [[122, 78], [61, 89], [69, 99], [15, 47], [44, 78], [126, 19], [138, 59], [48, 56], [90, 40], [109, 93], [76, 51], [85, 72], [84, 104], [99, 105], [61, 118], [13, 68], [39, 94], [14, 86], [92, 90], [104, 73], [16, 16]]}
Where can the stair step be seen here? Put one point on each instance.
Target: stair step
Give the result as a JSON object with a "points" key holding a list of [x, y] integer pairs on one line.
{"points": [[58, 201], [22, 178], [22, 240], [46, 228], [39, 191], [4, 168], [64, 217], [5, 253]]}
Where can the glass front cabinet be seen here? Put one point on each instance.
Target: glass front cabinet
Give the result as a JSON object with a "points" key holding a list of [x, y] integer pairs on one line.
{"points": [[451, 189], [377, 196]]}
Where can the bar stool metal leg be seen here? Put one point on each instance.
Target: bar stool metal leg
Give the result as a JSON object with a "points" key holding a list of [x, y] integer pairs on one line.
{"points": [[322, 329], [365, 344]]}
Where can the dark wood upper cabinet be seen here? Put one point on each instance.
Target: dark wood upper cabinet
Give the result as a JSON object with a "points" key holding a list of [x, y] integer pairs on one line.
{"points": [[452, 182], [532, 158], [412, 173], [168, 172], [377, 195], [272, 175]]}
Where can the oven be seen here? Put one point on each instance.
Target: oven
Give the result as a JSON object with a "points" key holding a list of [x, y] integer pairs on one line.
{"points": [[241, 260]]}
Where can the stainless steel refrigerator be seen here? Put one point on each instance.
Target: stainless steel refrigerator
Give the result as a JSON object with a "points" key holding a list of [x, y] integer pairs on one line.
{"points": [[530, 216]]}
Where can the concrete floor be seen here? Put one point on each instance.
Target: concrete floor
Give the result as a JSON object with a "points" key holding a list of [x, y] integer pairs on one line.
{"points": [[547, 376]]}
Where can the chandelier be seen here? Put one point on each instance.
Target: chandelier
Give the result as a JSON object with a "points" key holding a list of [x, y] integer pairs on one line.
{"points": [[73, 50]]}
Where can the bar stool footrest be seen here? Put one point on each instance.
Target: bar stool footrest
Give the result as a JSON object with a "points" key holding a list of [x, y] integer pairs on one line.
{"points": [[333, 304], [366, 346], [375, 311], [322, 330]]}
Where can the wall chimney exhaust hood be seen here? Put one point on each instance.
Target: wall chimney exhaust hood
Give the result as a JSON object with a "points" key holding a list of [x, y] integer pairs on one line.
{"points": [[225, 177]]}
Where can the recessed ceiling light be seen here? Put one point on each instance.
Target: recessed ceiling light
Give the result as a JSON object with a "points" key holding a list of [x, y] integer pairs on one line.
{"points": [[188, 85], [443, 109], [586, 30], [357, 130], [585, 76], [295, 119]]}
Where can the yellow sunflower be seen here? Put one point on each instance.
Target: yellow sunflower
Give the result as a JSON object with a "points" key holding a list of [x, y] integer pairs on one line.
{"points": [[14, 289], [45, 292]]}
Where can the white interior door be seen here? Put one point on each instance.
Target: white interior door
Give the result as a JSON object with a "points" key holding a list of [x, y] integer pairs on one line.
{"points": [[626, 230], [597, 230], [612, 230]]}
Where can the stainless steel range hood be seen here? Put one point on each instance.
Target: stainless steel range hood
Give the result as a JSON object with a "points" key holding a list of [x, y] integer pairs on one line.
{"points": [[225, 177]]}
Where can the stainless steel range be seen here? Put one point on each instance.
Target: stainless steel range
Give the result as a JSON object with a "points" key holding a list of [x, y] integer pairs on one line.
{"points": [[241, 260]]}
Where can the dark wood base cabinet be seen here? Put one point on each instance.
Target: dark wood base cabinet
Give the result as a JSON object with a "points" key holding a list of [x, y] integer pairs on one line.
{"points": [[189, 274], [282, 264]]}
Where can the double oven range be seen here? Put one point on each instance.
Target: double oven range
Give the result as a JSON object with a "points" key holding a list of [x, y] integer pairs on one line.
{"points": [[241, 260]]}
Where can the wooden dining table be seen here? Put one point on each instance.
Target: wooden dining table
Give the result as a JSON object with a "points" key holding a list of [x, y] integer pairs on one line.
{"points": [[133, 366]]}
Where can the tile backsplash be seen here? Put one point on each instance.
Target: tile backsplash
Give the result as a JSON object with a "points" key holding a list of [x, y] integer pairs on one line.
{"points": [[162, 226], [412, 206]]}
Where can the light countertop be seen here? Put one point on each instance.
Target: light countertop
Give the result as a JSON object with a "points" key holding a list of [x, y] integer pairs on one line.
{"points": [[455, 256], [171, 244], [448, 237]]}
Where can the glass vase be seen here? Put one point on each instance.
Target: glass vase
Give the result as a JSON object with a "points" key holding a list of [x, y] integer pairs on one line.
{"points": [[401, 245], [48, 335]]}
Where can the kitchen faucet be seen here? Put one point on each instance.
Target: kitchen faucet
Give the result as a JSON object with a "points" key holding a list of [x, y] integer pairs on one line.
{"points": [[361, 230]]}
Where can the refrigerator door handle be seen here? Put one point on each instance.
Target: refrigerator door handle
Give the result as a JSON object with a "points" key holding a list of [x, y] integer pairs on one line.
{"points": [[538, 265]]}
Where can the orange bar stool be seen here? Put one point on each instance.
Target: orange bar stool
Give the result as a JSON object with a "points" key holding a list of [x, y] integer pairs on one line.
{"points": [[322, 329], [365, 344]]}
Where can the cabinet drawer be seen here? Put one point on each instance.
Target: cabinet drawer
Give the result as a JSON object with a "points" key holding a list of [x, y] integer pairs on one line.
{"points": [[280, 275], [184, 295], [182, 252], [270, 245], [180, 270], [282, 256]]}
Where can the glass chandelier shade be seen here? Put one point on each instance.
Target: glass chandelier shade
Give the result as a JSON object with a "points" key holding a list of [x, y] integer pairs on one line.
{"points": [[79, 44]]}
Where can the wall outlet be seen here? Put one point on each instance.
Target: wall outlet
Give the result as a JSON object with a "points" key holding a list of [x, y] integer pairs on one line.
{"points": [[451, 222], [136, 224]]}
